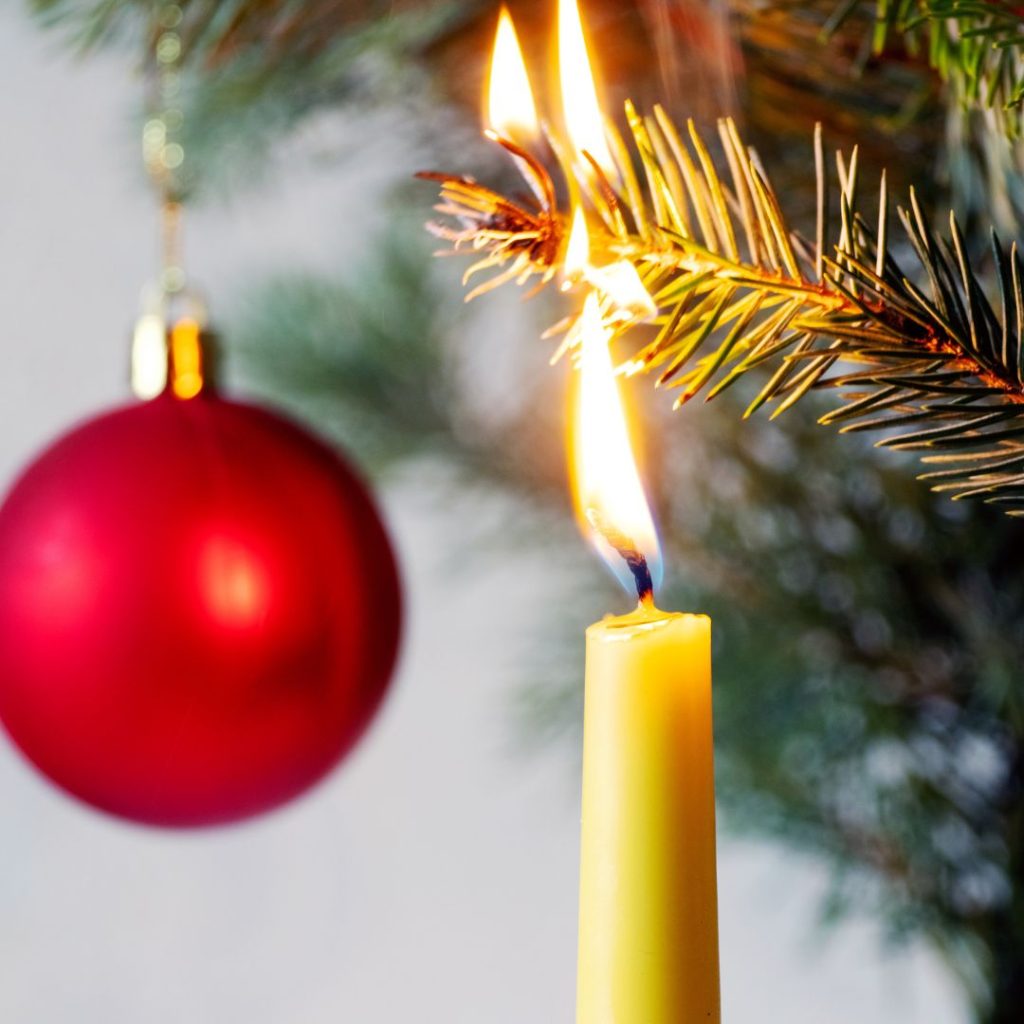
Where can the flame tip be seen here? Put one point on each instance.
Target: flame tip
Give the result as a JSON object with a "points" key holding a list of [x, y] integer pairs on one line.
{"points": [[510, 109]]}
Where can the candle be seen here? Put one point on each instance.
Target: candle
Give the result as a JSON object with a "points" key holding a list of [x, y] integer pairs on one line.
{"points": [[648, 940], [648, 924]]}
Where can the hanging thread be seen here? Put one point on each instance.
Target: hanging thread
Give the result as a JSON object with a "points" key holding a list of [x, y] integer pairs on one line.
{"points": [[160, 349]]}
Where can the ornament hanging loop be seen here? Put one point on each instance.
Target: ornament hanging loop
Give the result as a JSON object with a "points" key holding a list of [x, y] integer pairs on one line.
{"points": [[170, 345]]}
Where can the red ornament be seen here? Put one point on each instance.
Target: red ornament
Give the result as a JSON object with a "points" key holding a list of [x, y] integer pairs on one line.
{"points": [[199, 611]]}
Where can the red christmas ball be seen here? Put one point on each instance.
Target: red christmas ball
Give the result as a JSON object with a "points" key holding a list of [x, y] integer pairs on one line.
{"points": [[199, 611]]}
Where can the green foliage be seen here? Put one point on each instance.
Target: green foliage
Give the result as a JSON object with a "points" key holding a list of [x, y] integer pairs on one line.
{"points": [[258, 70], [976, 46], [216, 33], [252, 73], [367, 370], [867, 697], [868, 633]]}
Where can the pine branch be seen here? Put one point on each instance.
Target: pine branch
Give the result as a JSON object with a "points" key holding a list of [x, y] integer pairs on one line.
{"points": [[933, 366]]}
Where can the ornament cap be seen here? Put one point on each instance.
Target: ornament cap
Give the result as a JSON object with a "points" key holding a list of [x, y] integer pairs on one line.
{"points": [[179, 359]]}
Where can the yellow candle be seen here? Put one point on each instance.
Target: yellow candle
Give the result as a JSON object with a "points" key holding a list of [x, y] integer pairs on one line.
{"points": [[648, 945], [648, 940]]}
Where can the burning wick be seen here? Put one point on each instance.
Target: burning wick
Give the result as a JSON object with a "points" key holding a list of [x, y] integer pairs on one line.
{"points": [[631, 555]]}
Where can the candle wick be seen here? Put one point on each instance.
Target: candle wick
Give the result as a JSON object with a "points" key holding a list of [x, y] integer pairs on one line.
{"points": [[634, 558]]}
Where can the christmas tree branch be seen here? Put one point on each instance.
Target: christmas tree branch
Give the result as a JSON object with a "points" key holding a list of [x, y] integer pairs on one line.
{"points": [[933, 366]]}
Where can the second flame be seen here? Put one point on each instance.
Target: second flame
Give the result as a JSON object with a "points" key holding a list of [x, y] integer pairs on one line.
{"points": [[511, 111]]}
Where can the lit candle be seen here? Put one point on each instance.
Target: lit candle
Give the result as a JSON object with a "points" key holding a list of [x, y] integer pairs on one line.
{"points": [[648, 926], [648, 942]]}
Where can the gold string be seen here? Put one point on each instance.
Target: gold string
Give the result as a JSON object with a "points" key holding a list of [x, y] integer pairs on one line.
{"points": [[162, 141]]}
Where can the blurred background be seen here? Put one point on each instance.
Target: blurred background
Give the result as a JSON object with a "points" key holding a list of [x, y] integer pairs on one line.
{"points": [[868, 634]]}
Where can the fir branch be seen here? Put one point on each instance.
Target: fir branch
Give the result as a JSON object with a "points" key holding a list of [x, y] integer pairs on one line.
{"points": [[933, 366]]}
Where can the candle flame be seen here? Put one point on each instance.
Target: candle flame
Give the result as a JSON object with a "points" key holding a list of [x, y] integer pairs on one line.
{"points": [[511, 111], [584, 121], [611, 506]]}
